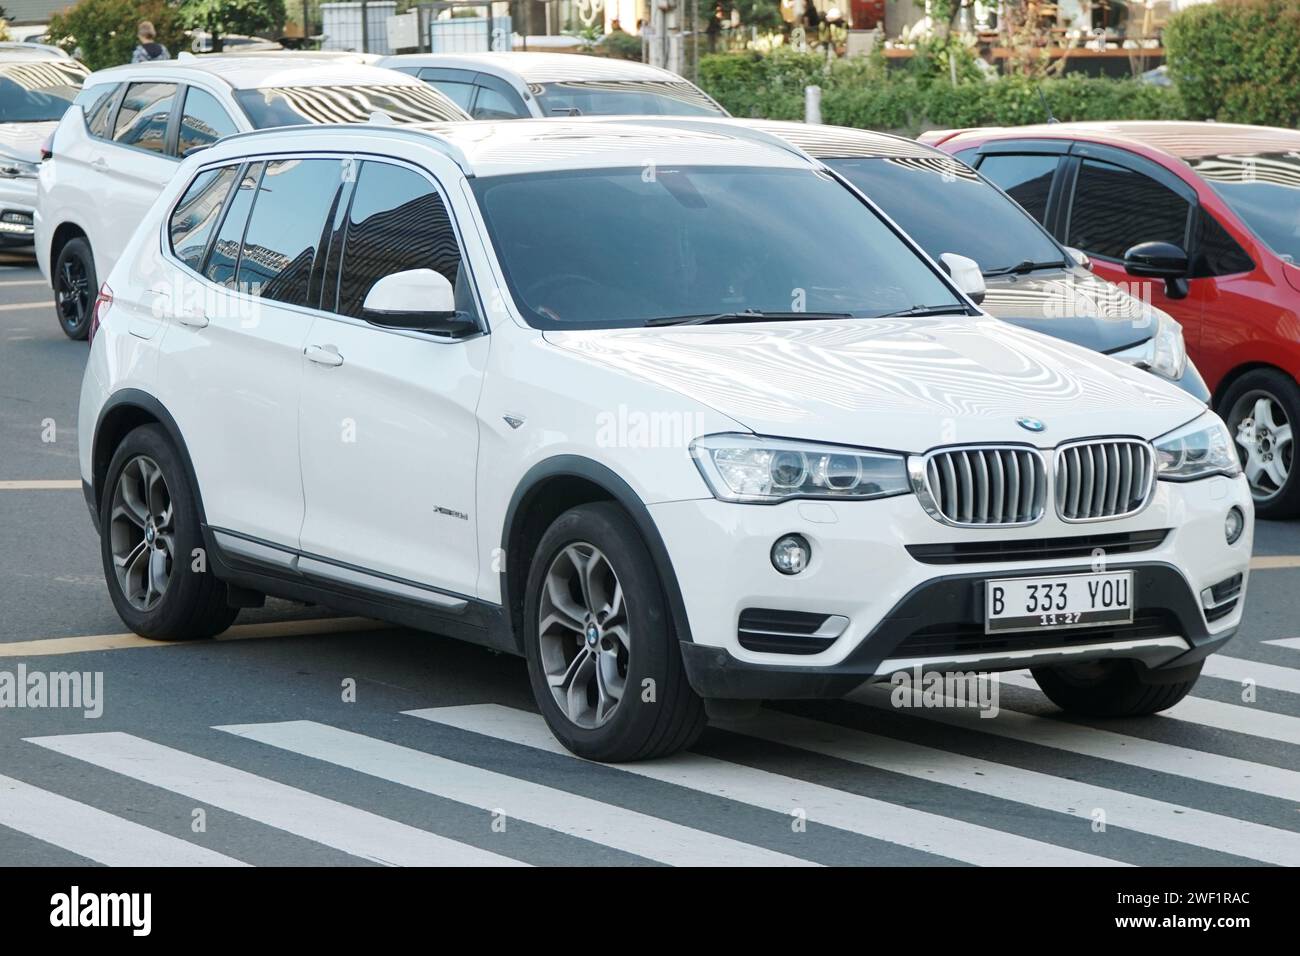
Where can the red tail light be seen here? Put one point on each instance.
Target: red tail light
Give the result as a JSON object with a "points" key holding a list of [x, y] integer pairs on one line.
{"points": [[47, 147], [103, 302]]}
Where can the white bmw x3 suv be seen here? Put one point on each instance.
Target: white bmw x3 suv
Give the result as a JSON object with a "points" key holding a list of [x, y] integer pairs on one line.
{"points": [[671, 413]]}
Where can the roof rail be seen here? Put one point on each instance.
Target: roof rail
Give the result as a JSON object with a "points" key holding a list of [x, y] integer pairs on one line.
{"points": [[422, 131]]}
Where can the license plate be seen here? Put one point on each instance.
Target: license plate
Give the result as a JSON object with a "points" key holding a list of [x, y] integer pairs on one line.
{"points": [[1058, 601]]}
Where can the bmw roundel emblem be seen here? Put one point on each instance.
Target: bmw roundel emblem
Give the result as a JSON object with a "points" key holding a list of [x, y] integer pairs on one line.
{"points": [[1031, 424]]}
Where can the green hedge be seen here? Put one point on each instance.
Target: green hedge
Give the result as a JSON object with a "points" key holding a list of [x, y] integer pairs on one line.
{"points": [[1238, 60], [864, 94]]}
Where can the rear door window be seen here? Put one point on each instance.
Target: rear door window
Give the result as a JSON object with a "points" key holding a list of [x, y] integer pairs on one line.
{"points": [[144, 117], [1025, 177], [283, 237]]}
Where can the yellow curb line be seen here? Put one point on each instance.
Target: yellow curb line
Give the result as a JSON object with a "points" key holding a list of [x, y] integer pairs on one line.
{"points": [[243, 632], [15, 306]]}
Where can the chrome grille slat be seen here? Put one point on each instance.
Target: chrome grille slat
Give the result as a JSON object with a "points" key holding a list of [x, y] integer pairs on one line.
{"points": [[1102, 479], [986, 486]]}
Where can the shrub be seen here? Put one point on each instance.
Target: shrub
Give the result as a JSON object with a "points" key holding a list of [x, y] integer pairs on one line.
{"points": [[1238, 60], [104, 30], [863, 93]]}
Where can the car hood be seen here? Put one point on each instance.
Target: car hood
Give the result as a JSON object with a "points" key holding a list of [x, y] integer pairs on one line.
{"points": [[1075, 306], [23, 140], [902, 384]]}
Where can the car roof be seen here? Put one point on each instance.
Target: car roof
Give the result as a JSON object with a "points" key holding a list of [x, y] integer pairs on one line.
{"points": [[1181, 140], [503, 147], [541, 67], [246, 72], [11, 52], [841, 142]]}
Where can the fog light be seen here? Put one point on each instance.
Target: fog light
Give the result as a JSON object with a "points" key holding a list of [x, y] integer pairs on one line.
{"points": [[791, 553], [1234, 524]]}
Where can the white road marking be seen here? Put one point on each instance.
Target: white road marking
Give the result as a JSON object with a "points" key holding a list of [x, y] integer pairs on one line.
{"points": [[1241, 718], [1264, 675], [17, 306], [1108, 745], [95, 834], [560, 810], [1290, 643], [1060, 795], [928, 832], [328, 822]]}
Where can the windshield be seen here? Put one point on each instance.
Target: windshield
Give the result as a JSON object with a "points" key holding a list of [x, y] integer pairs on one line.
{"points": [[38, 91], [946, 207], [1264, 190], [604, 248], [299, 105], [624, 98]]}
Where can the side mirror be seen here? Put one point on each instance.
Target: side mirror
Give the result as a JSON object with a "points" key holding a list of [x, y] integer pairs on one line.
{"points": [[420, 300], [966, 274], [1160, 260]]}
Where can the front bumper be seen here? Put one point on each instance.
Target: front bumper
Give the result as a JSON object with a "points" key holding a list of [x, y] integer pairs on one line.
{"points": [[904, 612], [17, 210]]}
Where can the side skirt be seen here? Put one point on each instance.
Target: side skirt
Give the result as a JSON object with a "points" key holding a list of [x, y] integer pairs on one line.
{"points": [[280, 572]]}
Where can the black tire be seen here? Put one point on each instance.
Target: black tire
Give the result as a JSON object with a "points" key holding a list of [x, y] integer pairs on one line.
{"points": [[637, 729], [75, 287], [1236, 406], [193, 603], [1112, 688]]}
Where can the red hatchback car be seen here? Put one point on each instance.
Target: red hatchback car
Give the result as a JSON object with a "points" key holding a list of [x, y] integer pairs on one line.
{"points": [[1211, 211]]}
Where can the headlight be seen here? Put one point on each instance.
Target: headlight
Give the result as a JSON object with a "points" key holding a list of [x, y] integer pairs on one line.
{"points": [[1164, 353], [767, 470], [1197, 450], [11, 168]]}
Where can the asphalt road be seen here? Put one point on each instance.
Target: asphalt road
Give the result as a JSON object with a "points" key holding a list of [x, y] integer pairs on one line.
{"points": [[246, 750]]}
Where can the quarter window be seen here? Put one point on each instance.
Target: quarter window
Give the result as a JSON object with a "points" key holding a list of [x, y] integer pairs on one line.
{"points": [[1116, 208], [284, 230], [97, 103], [224, 257], [1026, 178], [1217, 253], [203, 122], [397, 222], [142, 120], [195, 216]]}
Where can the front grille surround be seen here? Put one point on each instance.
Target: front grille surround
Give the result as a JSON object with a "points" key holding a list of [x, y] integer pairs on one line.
{"points": [[1102, 479], [982, 486]]}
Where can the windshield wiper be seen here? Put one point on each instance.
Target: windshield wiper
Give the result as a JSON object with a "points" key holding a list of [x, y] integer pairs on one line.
{"points": [[954, 309], [748, 315], [1028, 265]]}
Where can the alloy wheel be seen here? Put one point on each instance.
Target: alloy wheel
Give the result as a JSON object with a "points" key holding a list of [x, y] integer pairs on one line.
{"points": [[1264, 435], [73, 292], [141, 533], [584, 636]]}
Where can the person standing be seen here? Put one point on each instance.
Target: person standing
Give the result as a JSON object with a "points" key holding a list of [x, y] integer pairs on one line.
{"points": [[148, 48]]}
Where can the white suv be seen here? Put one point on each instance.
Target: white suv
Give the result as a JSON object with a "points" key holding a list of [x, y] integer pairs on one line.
{"points": [[119, 144], [725, 435]]}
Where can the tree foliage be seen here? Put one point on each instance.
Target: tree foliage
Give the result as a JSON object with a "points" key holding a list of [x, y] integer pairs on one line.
{"points": [[224, 17], [105, 30]]}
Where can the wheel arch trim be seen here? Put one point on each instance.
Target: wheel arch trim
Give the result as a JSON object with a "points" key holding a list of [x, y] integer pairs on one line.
{"points": [[133, 399], [601, 476]]}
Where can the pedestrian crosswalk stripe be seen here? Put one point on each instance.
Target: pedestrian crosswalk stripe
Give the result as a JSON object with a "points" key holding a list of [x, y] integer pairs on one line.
{"points": [[560, 810], [1076, 798], [328, 822], [877, 819], [95, 834], [1290, 643], [1242, 719], [1107, 745], [1264, 675]]}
